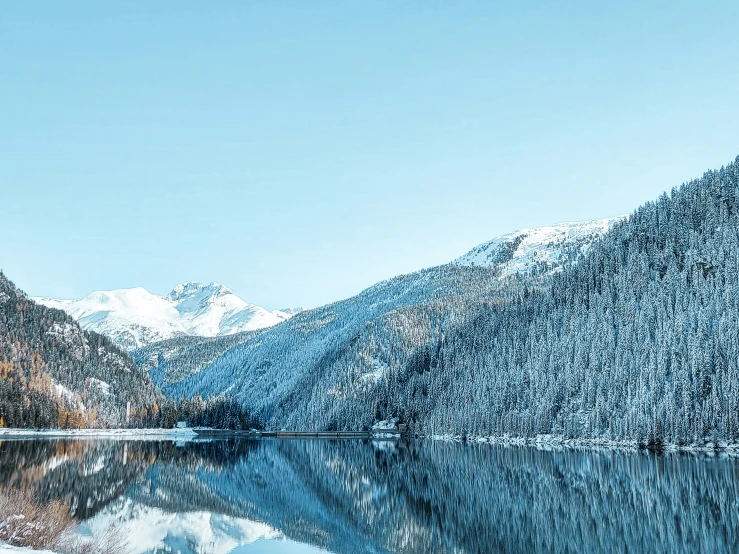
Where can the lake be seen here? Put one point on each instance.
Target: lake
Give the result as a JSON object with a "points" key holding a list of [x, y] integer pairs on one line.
{"points": [[352, 496]]}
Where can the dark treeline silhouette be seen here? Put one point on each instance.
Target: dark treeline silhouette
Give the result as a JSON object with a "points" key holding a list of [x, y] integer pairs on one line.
{"points": [[218, 412]]}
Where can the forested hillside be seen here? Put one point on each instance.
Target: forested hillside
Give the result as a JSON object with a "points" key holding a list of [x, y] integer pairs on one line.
{"points": [[322, 368], [54, 374], [639, 340], [303, 346], [269, 370]]}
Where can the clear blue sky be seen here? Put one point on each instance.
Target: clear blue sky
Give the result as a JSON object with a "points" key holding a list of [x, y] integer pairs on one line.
{"points": [[301, 151]]}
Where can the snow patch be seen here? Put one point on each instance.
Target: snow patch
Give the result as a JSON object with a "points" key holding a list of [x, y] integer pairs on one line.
{"points": [[386, 425], [543, 248], [124, 434], [102, 386], [7, 549], [380, 370], [69, 334]]}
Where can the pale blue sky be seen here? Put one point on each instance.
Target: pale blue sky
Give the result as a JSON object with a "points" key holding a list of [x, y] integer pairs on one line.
{"points": [[301, 151]]}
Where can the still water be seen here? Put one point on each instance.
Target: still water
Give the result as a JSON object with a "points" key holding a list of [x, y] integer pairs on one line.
{"points": [[350, 497]]}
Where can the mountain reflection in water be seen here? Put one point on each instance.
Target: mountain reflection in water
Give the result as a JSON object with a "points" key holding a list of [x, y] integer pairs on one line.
{"points": [[353, 497]]}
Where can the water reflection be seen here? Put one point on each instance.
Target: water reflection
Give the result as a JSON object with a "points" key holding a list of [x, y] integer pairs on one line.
{"points": [[354, 497]]}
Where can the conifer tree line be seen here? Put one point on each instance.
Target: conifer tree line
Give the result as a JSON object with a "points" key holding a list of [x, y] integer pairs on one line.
{"points": [[53, 374], [639, 340], [213, 412]]}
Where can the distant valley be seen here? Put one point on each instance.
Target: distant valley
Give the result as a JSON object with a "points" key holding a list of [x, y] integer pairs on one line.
{"points": [[353, 348]]}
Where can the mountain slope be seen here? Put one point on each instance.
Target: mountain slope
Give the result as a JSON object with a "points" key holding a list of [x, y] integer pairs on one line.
{"points": [[53, 373], [349, 347], [133, 318], [636, 341]]}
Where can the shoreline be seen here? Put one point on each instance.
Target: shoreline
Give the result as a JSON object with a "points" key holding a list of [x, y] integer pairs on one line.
{"points": [[98, 433], [541, 442], [552, 442]]}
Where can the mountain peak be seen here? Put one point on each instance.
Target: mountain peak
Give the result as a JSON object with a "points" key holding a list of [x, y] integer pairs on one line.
{"points": [[134, 317], [196, 288]]}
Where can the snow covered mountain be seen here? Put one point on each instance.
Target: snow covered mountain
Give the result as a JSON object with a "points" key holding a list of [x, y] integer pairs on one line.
{"points": [[133, 318], [538, 250], [347, 349]]}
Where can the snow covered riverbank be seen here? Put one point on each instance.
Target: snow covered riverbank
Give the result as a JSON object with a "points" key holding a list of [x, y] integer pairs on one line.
{"points": [[546, 442], [7, 549], [127, 434]]}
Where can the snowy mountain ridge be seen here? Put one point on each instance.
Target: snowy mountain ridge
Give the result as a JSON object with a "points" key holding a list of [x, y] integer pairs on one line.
{"points": [[544, 249], [134, 317]]}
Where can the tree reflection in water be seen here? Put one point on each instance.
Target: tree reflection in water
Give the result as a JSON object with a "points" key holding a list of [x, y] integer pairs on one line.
{"points": [[416, 497]]}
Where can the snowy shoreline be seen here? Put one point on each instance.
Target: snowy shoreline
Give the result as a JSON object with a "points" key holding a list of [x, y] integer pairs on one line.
{"points": [[541, 442], [141, 434], [550, 442], [8, 549]]}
